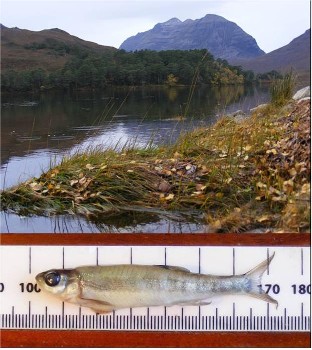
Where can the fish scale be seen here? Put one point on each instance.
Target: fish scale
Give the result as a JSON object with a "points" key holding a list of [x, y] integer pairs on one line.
{"points": [[24, 306]]}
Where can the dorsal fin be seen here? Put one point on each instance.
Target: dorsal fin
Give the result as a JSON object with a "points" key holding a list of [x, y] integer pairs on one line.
{"points": [[175, 268]]}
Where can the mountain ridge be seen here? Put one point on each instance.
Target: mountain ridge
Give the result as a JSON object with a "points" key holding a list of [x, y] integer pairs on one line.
{"points": [[223, 38], [295, 55], [48, 48]]}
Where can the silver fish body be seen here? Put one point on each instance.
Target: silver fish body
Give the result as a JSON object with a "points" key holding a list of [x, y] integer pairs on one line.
{"points": [[108, 288]]}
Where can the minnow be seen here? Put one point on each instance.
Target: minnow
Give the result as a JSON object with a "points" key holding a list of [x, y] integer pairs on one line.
{"points": [[112, 287]]}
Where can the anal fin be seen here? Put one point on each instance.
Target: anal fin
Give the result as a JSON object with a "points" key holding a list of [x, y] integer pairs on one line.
{"points": [[100, 307], [195, 303]]}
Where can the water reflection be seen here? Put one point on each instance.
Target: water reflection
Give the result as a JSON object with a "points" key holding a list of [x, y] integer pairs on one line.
{"points": [[128, 222], [38, 130]]}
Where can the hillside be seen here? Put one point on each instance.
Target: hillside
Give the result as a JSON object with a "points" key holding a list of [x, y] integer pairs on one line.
{"points": [[294, 55], [222, 38], [48, 49]]}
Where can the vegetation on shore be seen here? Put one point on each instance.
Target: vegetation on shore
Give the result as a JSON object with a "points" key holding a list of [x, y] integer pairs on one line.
{"points": [[117, 68], [242, 175]]}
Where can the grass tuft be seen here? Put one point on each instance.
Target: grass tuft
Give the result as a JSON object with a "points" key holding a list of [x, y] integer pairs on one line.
{"points": [[282, 89], [241, 175]]}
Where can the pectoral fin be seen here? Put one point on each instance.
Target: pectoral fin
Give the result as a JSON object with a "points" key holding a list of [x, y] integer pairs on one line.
{"points": [[100, 307], [202, 303]]}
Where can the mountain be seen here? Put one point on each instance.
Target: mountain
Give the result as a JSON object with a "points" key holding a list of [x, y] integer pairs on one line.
{"points": [[296, 55], [222, 38], [48, 49]]}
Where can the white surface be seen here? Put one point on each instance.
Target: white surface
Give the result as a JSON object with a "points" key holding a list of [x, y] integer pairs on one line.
{"points": [[291, 265]]}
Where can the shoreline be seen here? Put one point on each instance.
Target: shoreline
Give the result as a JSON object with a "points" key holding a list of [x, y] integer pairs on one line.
{"points": [[240, 174]]}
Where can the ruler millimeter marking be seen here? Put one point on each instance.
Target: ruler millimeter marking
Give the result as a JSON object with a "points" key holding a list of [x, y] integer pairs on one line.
{"points": [[24, 306]]}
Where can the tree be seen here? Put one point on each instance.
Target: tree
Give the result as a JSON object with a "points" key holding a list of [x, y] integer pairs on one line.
{"points": [[171, 80]]}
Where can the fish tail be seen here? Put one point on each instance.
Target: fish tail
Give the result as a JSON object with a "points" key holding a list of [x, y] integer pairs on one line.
{"points": [[254, 275]]}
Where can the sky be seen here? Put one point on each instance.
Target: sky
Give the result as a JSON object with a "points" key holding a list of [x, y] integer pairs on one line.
{"points": [[273, 23]]}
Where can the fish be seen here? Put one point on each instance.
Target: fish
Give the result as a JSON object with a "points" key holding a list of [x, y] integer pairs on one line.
{"points": [[111, 287]]}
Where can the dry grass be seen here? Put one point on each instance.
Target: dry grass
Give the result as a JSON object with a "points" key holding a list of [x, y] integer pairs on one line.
{"points": [[242, 175]]}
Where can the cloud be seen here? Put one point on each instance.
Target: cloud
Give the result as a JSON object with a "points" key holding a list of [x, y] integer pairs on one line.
{"points": [[273, 23]]}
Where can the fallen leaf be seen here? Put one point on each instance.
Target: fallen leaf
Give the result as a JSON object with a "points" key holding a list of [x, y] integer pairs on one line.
{"points": [[167, 172], [82, 180], [271, 151], [263, 218], [188, 166], [222, 155], [73, 182], [217, 224], [298, 166], [292, 172], [305, 188], [169, 197], [164, 186], [274, 190], [200, 187], [288, 185], [228, 180], [196, 193], [35, 186], [261, 185], [89, 167], [279, 199]]}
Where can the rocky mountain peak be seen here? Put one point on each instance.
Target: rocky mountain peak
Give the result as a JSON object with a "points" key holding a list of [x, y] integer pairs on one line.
{"points": [[222, 38], [172, 21], [213, 18]]}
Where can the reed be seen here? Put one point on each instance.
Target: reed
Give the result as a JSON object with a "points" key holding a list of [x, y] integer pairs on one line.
{"points": [[239, 175], [282, 89]]}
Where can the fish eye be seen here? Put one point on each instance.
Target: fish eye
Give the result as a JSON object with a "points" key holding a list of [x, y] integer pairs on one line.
{"points": [[52, 279]]}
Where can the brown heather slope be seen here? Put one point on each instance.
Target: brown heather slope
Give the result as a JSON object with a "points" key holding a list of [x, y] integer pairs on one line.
{"points": [[16, 56], [295, 55]]}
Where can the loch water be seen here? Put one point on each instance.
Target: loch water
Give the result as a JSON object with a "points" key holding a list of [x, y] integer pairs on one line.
{"points": [[37, 130]]}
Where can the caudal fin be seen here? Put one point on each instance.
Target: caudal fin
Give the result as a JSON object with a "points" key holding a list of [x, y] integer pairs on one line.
{"points": [[254, 277]]}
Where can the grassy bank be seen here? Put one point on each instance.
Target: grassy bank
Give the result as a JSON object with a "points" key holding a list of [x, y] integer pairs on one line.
{"points": [[241, 174]]}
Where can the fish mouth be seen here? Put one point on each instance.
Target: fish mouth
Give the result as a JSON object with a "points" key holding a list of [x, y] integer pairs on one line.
{"points": [[39, 278]]}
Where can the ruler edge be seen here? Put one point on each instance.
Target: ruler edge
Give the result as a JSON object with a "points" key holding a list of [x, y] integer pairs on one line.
{"points": [[69, 338], [57, 244], [26, 338], [142, 239]]}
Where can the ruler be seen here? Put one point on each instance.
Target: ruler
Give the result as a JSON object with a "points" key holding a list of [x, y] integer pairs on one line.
{"points": [[24, 306]]}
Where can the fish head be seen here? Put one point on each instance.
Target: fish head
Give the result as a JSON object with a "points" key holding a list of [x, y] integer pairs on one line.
{"points": [[61, 283]]}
